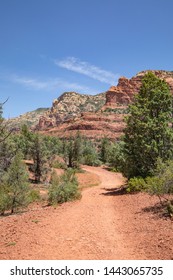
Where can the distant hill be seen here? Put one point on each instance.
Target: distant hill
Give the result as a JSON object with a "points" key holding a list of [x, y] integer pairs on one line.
{"points": [[95, 116], [31, 119]]}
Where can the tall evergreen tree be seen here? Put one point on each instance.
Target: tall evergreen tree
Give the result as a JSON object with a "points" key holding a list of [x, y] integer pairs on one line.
{"points": [[6, 151], [73, 151], [15, 185], [104, 150], [148, 134], [38, 155]]}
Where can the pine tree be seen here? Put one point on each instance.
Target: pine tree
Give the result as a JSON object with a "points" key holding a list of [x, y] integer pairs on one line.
{"points": [[77, 150], [73, 151], [15, 185], [104, 151], [148, 134], [6, 151], [38, 155]]}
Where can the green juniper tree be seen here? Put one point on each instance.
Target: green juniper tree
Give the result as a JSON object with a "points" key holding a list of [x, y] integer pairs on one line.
{"points": [[14, 185], [104, 149], [90, 154], [116, 157], [148, 134], [63, 188], [72, 151], [6, 149], [38, 154]]}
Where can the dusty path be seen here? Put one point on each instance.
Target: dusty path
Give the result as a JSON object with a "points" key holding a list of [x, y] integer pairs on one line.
{"points": [[99, 226]]}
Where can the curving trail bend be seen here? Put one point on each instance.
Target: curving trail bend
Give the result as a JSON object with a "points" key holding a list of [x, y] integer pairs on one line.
{"points": [[101, 225]]}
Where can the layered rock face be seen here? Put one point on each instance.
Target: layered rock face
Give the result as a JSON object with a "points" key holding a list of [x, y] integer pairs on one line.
{"points": [[95, 116], [69, 106], [91, 125], [123, 93], [31, 119]]}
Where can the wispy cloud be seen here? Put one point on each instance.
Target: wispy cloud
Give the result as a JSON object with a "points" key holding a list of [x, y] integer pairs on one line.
{"points": [[50, 84], [85, 68], [30, 82]]}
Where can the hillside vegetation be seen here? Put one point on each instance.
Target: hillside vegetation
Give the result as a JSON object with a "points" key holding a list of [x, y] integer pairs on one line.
{"points": [[30, 161]]}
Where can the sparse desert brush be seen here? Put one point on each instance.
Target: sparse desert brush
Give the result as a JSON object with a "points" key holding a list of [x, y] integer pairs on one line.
{"points": [[63, 188], [33, 195], [136, 184]]}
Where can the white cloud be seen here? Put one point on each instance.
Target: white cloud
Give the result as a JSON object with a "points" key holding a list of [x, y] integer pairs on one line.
{"points": [[30, 82], [92, 71], [50, 84]]}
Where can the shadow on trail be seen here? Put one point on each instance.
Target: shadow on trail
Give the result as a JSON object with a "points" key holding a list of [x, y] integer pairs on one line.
{"points": [[16, 213], [115, 191], [158, 210]]}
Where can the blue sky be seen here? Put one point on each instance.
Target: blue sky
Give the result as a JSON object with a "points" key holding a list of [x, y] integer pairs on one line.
{"points": [[51, 46]]}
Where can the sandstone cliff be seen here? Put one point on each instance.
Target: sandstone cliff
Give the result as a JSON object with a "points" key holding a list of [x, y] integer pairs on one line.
{"points": [[123, 93], [69, 106], [96, 116], [30, 119]]}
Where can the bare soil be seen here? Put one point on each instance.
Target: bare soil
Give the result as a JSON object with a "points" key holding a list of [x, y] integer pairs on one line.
{"points": [[105, 224]]}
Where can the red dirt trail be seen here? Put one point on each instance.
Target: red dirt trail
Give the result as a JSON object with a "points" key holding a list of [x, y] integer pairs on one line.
{"points": [[104, 224]]}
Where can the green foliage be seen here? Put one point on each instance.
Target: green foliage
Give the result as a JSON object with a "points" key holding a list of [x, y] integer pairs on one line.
{"points": [[72, 151], [41, 164], [14, 185], [40, 149], [4, 198], [63, 188], [116, 157], [90, 154], [52, 146], [136, 184], [162, 182], [7, 152], [170, 208], [104, 149], [24, 141], [59, 164], [33, 195], [148, 134], [79, 150]]}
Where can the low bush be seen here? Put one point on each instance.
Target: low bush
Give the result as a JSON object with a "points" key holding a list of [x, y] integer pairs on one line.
{"points": [[4, 199], [33, 195], [170, 208], [58, 164], [136, 184], [63, 188]]}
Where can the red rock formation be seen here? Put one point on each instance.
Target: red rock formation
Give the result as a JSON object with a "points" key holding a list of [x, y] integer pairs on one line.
{"points": [[123, 93], [65, 118], [45, 122]]}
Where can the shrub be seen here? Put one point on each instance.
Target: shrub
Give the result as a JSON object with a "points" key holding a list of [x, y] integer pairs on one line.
{"points": [[59, 164], [91, 160], [136, 184], [33, 195], [161, 184], [4, 199], [154, 185], [15, 185], [116, 158], [63, 188], [170, 208]]}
